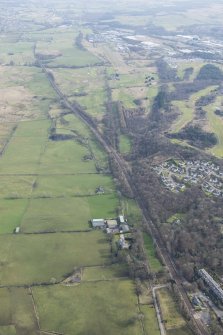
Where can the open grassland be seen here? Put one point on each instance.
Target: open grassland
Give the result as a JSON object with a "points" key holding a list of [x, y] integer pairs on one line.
{"points": [[187, 109], [150, 320], [106, 272], [16, 53], [7, 330], [124, 144], [195, 65], [85, 86], [114, 301], [154, 262], [72, 122], [93, 103], [131, 210], [11, 214], [14, 187], [43, 257], [74, 82], [25, 94], [66, 157], [180, 331], [25, 148], [67, 214], [170, 313], [72, 185], [16, 312], [215, 125], [60, 50]]}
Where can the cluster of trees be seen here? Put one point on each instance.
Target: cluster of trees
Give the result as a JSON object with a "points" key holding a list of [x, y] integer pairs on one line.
{"points": [[210, 72], [196, 136]]}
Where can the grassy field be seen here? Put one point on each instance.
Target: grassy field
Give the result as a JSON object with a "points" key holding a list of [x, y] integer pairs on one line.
{"points": [[16, 312], [43, 257], [170, 313], [7, 330], [187, 109], [154, 262], [131, 210], [150, 320], [115, 302], [105, 273], [72, 185], [124, 144], [11, 214], [12, 187], [66, 157], [65, 52], [66, 213], [23, 152], [215, 124]]}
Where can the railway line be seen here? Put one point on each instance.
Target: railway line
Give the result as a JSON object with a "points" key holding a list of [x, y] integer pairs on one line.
{"points": [[126, 175]]}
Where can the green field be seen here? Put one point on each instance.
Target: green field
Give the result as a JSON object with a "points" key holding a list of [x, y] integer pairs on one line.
{"points": [[12, 187], [16, 312], [150, 320], [7, 330], [154, 262], [43, 257], [66, 157], [23, 152], [124, 144], [131, 210], [67, 214], [12, 212], [72, 185], [105, 273], [215, 124], [114, 301], [187, 109], [175, 323], [62, 47]]}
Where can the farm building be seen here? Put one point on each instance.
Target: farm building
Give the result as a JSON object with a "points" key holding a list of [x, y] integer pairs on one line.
{"points": [[123, 243], [121, 219], [112, 224], [124, 228], [98, 223], [17, 230]]}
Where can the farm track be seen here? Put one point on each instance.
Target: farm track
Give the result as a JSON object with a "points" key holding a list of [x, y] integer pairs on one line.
{"points": [[126, 176]]}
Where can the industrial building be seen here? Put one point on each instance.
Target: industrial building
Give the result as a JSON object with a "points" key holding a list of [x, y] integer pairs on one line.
{"points": [[213, 285]]}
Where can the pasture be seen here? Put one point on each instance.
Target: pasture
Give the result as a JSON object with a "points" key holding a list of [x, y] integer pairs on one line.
{"points": [[154, 262], [105, 273], [66, 157], [16, 312], [67, 213], [43, 257], [150, 320], [114, 301], [71, 185], [124, 144], [61, 50], [12, 212], [170, 312], [23, 152]]}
